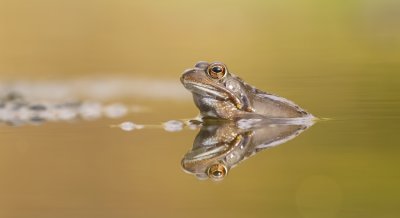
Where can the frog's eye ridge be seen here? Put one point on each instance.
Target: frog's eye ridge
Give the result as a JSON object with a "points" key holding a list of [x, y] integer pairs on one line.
{"points": [[216, 70]]}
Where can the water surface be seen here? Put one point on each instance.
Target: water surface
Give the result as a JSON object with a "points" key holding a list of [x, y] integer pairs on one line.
{"points": [[346, 166]]}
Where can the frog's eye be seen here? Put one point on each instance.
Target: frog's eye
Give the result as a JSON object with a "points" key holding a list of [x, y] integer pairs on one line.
{"points": [[217, 171], [216, 70]]}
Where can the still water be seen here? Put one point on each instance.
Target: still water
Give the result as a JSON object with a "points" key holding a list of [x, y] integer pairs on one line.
{"points": [[345, 166]]}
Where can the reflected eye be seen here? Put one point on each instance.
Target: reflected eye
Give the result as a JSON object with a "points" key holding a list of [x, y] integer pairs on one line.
{"points": [[217, 171], [216, 70]]}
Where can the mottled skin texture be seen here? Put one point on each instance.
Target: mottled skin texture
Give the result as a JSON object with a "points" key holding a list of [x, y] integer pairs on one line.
{"points": [[229, 97], [226, 145]]}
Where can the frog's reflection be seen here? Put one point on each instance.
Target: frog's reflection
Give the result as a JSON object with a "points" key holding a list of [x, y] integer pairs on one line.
{"points": [[219, 147]]}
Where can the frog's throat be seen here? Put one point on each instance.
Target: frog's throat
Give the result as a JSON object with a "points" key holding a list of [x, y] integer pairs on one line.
{"points": [[218, 92]]}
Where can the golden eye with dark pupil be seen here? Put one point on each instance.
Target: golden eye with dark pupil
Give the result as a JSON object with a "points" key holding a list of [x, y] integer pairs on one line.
{"points": [[216, 71], [217, 171]]}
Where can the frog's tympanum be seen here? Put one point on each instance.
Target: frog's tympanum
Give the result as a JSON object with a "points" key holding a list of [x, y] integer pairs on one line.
{"points": [[219, 147], [220, 94]]}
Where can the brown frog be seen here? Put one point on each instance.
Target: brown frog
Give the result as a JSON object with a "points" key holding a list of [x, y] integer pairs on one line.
{"points": [[219, 147], [220, 94]]}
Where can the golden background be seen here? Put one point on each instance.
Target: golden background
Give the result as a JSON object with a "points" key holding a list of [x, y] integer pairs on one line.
{"points": [[338, 59]]}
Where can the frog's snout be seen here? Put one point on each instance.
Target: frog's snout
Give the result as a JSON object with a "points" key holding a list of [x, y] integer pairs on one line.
{"points": [[183, 76], [187, 75]]}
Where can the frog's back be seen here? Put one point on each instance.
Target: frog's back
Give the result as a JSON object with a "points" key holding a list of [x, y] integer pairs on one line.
{"points": [[271, 105], [277, 107]]}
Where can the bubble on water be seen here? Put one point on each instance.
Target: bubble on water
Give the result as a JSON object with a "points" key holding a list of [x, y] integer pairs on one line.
{"points": [[37, 120], [173, 126], [2, 113], [49, 115], [129, 126], [193, 126], [66, 114], [90, 110], [37, 107], [8, 115], [115, 110], [24, 114]]}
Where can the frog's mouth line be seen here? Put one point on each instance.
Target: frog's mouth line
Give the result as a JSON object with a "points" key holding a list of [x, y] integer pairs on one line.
{"points": [[204, 156], [206, 89], [219, 149], [218, 93]]}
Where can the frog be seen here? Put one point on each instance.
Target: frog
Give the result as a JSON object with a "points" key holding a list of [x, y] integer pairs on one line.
{"points": [[219, 147], [220, 94]]}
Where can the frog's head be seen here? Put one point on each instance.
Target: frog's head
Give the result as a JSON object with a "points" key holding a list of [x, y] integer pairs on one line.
{"points": [[216, 149], [207, 80], [213, 82]]}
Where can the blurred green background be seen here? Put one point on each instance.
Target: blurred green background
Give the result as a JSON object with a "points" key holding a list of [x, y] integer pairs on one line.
{"points": [[338, 59]]}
